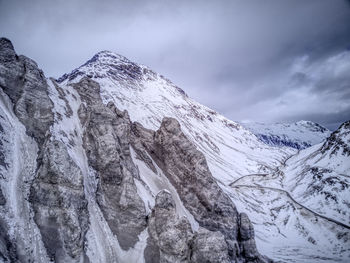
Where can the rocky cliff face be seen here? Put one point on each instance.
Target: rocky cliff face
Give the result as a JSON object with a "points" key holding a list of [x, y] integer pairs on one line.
{"points": [[72, 187], [55, 197], [26, 86], [187, 170], [106, 140]]}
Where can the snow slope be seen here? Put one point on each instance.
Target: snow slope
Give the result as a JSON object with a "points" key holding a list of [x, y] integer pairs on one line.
{"points": [[16, 148], [250, 171], [230, 149], [319, 177], [298, 135]]}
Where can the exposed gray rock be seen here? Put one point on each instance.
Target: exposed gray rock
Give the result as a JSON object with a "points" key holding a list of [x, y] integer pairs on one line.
{"points": [[7, 50], [169, 235], [106, 141], [2, 150], [338, 141], [210, 247], [2, 198], [57, 192], [140, 138], [246, 235], [60, 208], [187, 170], [8, 251], [247, 241], [25, 84], [172, 240]]}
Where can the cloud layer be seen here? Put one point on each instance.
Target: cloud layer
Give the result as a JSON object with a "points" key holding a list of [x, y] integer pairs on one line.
{"points": [[250, 60]]}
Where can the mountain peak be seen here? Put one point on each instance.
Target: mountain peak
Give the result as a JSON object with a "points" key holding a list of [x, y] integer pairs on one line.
{"points": [[103, 64], [312, 126], [345, 127], [107, 56], [339, 140], [7, 51], [6, 43], [109, 65]]}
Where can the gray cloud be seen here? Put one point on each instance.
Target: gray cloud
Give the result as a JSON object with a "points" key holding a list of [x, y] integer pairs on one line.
{"points": [[259, 60]]}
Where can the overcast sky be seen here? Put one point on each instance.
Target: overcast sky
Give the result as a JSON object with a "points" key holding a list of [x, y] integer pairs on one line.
{"points": [[258, 60]]}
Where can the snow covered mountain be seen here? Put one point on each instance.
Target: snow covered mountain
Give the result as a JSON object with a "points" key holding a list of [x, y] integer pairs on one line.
{"points": [[130, 169], [230, 149], [81, 182], [306, 199], [298, 135], [233, 154], [319, 176]]}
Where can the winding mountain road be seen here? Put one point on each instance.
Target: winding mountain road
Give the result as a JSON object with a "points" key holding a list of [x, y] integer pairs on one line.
{"points": [[291, 198], [248, 175]]}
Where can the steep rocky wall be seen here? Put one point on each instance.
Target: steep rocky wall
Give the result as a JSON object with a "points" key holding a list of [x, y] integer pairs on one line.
{"points": [[187, 170], [56, 193], [106, 141], [172, 240], [25, 84], [169, 236], [59, 204]]}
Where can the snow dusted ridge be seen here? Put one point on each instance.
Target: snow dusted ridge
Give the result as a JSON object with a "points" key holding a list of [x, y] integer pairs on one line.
{"points": [[298, 135], [327, 165], [230, 149], [258, 177]]}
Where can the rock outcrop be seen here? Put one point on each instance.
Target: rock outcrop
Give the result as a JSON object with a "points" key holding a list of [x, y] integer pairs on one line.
{"points": [[246, 238], [56, 192], [8, 249], [106, 140], [338, 141], [187, 170], [2, 198], [59, 204], [169, 236], [25, 84], [208, 246], [172, 240]]}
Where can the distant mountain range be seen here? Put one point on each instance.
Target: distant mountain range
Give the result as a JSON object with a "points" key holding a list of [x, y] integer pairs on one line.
{"points": [[298, 135]]}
